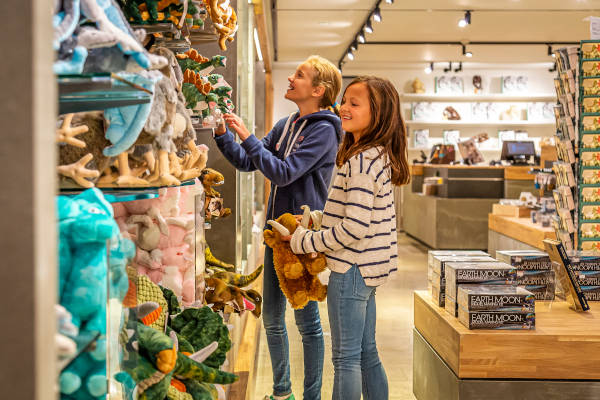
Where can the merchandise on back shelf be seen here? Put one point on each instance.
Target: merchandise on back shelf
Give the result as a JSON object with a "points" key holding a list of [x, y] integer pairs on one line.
{"points": [[149, 12], [488, 273]]}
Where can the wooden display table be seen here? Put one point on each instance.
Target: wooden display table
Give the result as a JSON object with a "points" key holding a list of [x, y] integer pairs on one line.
{"points": [[560, 359], [511, 233]]}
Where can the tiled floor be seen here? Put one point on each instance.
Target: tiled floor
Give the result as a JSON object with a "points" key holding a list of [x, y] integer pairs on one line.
{"points": [[394, 331]]}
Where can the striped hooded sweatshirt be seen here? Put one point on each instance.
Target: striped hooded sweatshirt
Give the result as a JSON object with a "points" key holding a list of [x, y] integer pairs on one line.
{"points": [[359, 221]]}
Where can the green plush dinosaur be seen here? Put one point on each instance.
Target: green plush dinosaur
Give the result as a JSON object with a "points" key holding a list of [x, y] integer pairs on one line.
{"points": [[216, 61], [200, 327], [160, 361]]}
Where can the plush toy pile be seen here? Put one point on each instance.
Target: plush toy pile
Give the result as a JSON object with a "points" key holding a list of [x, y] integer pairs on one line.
{"points": [[205, 92], [86, 225], [297, 273], [224, 19], [157, 11], [163, 230]]}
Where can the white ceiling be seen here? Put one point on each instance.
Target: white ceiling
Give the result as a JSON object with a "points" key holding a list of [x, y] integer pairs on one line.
{"points": [[327, 27]]}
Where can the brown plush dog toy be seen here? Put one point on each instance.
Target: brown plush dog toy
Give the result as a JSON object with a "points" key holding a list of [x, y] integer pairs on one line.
{"points": [[297, 273]]}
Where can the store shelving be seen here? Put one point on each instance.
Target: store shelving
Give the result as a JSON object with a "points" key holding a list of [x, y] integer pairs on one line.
{"points": [[480, 123], [84, 342], [78, 93], [493, 97]]}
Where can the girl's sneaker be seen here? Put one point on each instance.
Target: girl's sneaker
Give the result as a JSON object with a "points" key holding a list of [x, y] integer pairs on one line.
{"points": [[288, 397]]}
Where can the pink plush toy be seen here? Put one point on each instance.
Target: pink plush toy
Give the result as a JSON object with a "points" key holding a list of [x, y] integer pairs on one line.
{"points": [[164, 232]]}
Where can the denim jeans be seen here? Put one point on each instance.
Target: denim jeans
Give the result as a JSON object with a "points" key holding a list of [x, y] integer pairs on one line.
{"points": [[309, 325], [352, 316]]}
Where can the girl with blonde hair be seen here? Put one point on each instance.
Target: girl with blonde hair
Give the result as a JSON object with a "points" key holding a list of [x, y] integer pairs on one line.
{"points": [[298, 157]]}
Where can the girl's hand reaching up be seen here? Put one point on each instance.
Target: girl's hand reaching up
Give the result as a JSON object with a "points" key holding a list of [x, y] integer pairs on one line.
{"points": [[236, 124]]}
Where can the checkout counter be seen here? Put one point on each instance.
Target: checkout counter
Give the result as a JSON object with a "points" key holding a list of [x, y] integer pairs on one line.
{"points": [[457, 216]]}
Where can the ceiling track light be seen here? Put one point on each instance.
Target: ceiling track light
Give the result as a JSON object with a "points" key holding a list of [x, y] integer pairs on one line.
{"points": [[361, 36], [429, 68], [465, 52], [350, 55], [466, 20], [449, 68], [550, 52], [459, 68], [554, 67], [369, 27], [354, 46], [389, 1], [377, 14]]}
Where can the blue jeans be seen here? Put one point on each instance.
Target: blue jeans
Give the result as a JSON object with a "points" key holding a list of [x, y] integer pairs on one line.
{"points": [[352, 316], [309, 325]]}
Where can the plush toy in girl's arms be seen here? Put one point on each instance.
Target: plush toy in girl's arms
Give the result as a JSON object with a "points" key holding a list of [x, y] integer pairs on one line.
{"points": [[297, 273]]}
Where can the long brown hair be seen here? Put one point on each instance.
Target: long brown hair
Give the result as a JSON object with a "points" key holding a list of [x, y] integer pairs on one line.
{"points": [[387, 129]]}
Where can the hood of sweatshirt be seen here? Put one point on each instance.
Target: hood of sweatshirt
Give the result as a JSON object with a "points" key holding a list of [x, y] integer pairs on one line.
{"points": [[324, 115]]}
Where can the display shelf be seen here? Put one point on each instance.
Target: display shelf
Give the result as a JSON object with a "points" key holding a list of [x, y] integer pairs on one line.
{"points": [[161, 27], [79, 93], [84, 342], [116, 194], [493, 97], [443, 123]]}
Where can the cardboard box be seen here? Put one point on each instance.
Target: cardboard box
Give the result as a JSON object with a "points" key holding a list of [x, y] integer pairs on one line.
{"points": [[490, 273], [440, 261], [536, 277], [525, 259], [497, 320], [495, 298], [588, 278], [584, 262], [451, 306], [438, 296], [541, 292], [592, 293]]}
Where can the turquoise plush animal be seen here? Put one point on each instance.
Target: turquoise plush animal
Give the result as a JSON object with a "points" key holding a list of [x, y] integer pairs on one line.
{"points": [[87, 232]]}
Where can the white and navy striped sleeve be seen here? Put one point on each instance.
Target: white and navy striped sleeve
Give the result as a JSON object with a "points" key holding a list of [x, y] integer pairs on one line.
{"points": [[356, 198]]}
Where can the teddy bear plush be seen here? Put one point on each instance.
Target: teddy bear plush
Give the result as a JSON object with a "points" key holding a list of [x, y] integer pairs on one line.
{"points": [[297, 273]]}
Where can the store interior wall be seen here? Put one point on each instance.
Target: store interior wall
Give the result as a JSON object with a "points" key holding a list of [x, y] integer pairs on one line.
{"points": [[540, 81]]}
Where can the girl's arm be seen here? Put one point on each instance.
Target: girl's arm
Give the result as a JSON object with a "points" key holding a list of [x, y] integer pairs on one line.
{"points": [[236, 155], [362, 187], [322, 139]]}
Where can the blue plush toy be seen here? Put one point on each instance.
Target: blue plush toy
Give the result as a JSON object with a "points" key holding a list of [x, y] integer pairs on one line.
{"points": [[87, 231], [126, 123]]}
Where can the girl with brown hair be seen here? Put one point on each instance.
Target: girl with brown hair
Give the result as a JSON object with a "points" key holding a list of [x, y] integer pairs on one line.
{"points": [[358, 231]]}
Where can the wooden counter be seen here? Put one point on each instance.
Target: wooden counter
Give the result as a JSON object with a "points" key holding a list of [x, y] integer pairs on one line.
{"points": [[518, 173], [521, 229], [564, 346]]}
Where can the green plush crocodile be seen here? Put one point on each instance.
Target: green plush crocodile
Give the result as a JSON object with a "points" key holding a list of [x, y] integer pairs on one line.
{"points": [[160, 361], [216, 61]]}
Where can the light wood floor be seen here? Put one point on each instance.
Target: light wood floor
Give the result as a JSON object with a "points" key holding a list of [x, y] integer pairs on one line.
{"points": [[394, 331]]}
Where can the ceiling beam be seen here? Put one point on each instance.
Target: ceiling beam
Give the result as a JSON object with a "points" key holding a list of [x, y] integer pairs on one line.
{"points": [[469, 43]]}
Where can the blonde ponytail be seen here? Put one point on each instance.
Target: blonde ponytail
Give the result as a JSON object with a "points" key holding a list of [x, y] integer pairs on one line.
{"points": [[329, 76]]}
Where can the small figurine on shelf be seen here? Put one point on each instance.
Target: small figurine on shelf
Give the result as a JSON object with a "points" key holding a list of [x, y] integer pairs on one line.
{"points": [[418, 86], [214, 201], [477, 84]]}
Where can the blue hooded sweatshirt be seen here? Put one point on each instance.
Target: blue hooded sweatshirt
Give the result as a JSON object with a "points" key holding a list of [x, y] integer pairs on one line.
{"points": [[298, 161]]}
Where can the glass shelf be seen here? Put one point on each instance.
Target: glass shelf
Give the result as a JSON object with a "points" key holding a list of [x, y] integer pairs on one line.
{"points": [[94, 92], [116, 194], [84, 342], [160, 27]]}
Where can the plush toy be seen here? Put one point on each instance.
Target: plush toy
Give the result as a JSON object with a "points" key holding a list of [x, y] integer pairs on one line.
{"points": [[224, 19], [200, 327], [86, 225], [220, 294], [238, 280], [298, 274], [210, 178], [212, 261]]}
